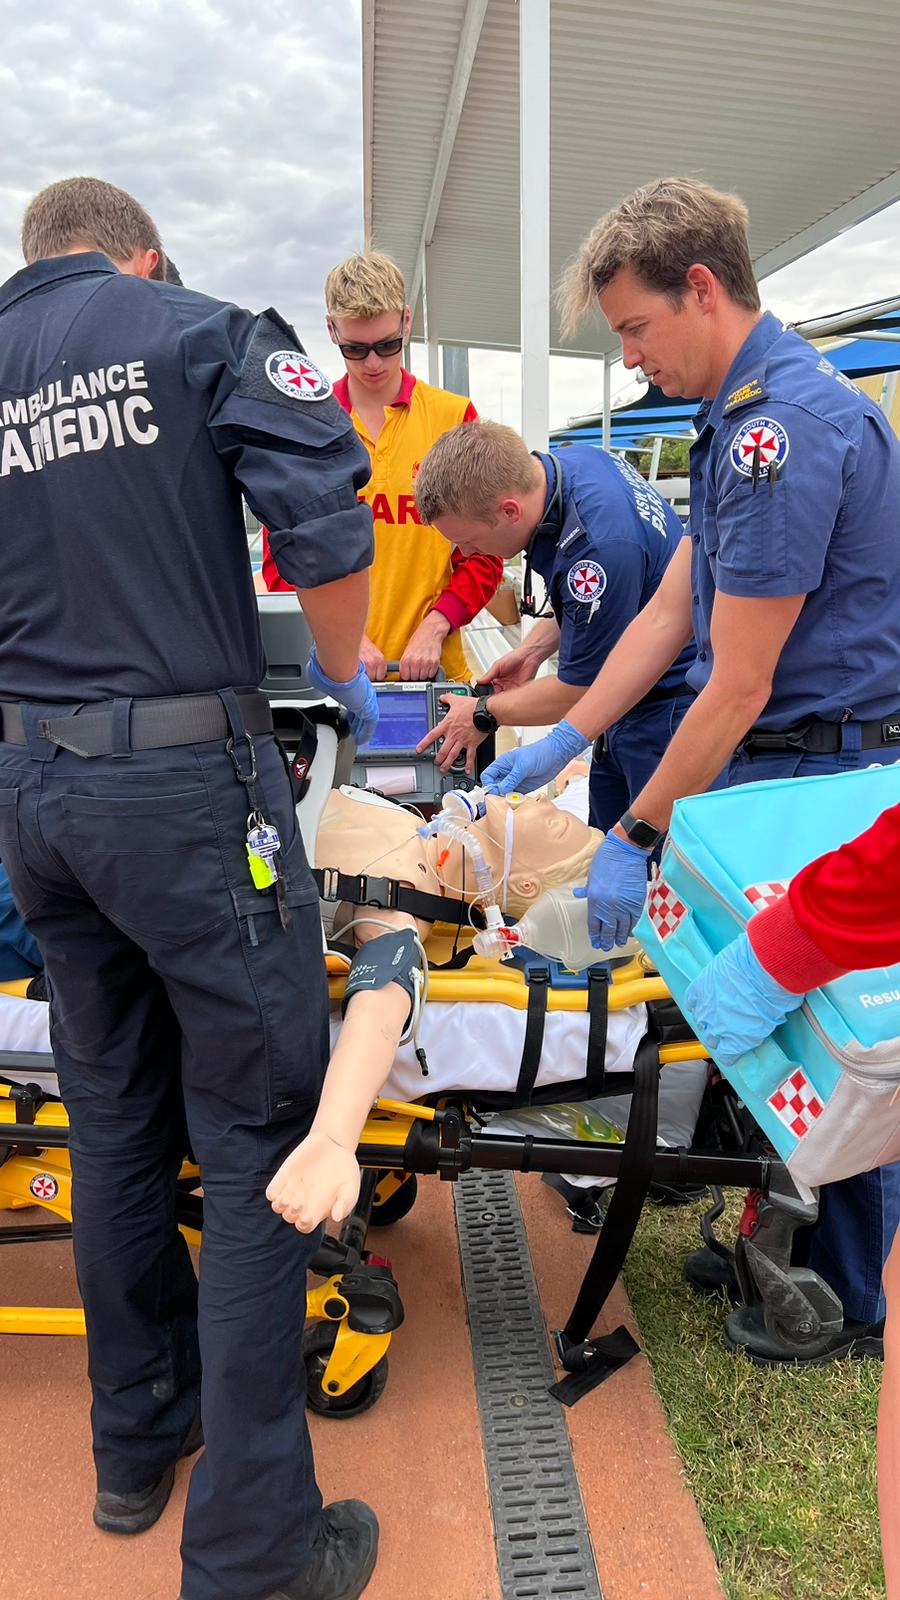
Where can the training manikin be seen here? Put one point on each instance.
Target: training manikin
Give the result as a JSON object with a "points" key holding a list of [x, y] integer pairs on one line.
{"points": [[526, 847]]}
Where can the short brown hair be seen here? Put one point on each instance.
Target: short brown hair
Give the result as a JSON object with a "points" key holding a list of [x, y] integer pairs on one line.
{"points": [[365, 285], [89, 213], [469, 468], [659, 232]]}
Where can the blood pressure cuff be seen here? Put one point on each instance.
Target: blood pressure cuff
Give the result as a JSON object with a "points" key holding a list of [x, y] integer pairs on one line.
{"points": [[391, 958]]}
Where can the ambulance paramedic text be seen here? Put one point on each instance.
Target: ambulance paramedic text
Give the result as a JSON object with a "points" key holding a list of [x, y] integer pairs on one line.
{"points": [[137, 763]]}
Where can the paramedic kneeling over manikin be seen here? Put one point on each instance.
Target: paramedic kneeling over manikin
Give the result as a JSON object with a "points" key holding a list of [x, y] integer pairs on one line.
{"points": [[137, 771], [507, 859]]}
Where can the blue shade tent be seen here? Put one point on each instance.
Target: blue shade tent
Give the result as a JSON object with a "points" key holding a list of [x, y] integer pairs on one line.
{"points": [[654, 413]]}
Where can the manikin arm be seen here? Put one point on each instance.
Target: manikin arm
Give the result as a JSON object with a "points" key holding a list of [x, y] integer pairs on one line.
{"points": [[320, 1179]]}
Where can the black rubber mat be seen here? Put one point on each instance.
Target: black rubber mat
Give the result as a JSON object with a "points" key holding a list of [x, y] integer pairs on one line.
{"points": [[543, 1543]]}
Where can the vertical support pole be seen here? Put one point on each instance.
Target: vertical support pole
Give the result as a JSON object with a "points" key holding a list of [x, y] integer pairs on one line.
{"points": [[607, 407], [654, 459], [456, 368], [888, 391], [432, 347], [534, 208]]}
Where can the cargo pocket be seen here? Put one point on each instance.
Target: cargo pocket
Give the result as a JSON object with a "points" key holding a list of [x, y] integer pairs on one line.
{"points": [[151, 863], [287, 969]]}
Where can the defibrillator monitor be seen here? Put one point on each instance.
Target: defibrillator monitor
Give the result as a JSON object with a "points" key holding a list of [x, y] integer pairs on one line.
{"points": [[390, 762]]}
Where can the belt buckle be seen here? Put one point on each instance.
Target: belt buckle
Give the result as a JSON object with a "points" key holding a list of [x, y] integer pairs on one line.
{"points": [[330, 880]]}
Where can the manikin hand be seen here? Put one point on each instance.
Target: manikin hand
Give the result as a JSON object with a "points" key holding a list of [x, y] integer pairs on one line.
{"points": [[319, 1180]]}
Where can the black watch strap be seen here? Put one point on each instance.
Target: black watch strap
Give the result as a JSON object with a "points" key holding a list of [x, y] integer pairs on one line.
{"points": [[643, 834], [483, 718]]}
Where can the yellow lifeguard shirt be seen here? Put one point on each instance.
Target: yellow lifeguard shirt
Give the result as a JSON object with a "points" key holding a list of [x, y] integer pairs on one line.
{"points": [[413, 570]]}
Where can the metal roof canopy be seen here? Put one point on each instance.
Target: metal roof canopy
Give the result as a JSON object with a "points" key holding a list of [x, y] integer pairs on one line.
{"points": [[767, 100]]}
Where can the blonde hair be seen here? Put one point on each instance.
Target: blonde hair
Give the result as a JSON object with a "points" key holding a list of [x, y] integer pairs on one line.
{"points": [[365, 285], [90, 213], [468, 469], [560, 875], [659, 232]]}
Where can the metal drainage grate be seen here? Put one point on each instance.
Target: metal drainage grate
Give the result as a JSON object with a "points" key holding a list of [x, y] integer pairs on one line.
{"points": [[543, 1542]]}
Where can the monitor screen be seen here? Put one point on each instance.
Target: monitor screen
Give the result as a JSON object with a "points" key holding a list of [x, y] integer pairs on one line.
{"points": [[403, 719]]}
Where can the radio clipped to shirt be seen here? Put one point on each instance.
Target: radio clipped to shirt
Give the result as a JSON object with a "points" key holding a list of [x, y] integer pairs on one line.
{"points": [[825, 1088]]}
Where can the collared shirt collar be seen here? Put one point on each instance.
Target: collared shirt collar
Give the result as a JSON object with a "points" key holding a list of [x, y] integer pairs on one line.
{"points": [[52, 270], [404, 398], [750, 362]]}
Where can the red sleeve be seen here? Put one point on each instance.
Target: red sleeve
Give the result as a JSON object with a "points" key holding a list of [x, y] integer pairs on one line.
{"points": [[473, 582], [271, 576], [840, 914]]}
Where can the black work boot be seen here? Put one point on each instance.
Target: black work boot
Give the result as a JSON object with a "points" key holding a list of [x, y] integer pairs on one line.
{"points": [[342, 1560], [134, 1513]]}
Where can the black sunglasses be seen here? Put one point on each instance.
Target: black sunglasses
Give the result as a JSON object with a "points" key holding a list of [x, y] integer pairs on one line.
{"points": [[382, 347]]}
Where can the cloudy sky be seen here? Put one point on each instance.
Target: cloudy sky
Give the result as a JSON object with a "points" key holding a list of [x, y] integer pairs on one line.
{"points": [[239, 128]]}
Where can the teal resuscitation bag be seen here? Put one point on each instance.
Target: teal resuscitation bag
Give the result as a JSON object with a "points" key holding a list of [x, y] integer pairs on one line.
{"points": [[825, 1088]]}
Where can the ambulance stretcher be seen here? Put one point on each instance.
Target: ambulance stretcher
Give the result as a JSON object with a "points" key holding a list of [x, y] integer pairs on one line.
{"points": [[353, 1312]]}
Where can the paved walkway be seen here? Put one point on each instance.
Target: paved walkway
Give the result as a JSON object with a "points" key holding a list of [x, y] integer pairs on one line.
{"points": [[417, 1456]]}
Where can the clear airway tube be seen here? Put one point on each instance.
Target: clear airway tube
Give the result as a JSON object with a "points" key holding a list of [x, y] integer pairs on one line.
{"points": [[443, 824]]}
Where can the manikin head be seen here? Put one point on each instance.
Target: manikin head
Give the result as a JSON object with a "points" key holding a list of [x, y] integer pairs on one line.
{"points": [[529, 846], [84, 214], [481, 487], [671, 269], [365, 301]]}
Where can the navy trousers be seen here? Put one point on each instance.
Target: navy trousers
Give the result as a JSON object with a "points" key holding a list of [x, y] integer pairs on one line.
{"points": [[632, 751], [182, 1010], [858, 1217]]}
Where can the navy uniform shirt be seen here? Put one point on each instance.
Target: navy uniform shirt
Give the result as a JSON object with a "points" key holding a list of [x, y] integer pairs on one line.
{"points": [[829, 529], [133, 416], [602, 549]]}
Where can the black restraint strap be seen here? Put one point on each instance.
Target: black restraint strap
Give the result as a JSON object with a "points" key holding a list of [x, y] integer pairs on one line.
{"points": [[598, 1023], [387, 894], [538, 980], [589, 1361]]}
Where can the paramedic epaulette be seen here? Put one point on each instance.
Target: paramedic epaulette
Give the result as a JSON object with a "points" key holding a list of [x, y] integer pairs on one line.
{"points": [[744, 394]]}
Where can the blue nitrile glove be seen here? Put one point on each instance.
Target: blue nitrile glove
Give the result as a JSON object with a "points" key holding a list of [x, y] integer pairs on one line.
{"points": [[532, 765], [735, 1004], [616, 890], [356, 696]]}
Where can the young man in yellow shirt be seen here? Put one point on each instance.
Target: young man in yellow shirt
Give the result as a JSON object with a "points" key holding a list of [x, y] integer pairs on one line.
{"points": [[422, 591]]}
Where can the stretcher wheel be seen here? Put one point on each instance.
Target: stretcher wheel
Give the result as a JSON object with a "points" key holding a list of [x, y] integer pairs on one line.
{"points": [[318, 1343], [395, 1205]]}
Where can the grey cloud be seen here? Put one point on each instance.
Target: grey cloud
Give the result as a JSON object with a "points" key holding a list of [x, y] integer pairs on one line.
{"points": [[238, 128]]}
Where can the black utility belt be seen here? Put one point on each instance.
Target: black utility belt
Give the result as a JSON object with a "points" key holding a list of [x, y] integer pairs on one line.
{"points": [[673, 691], [821, 738], [93, 728]]}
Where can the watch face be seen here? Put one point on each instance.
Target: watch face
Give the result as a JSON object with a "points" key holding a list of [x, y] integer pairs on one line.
{"points": [[484, 720]]}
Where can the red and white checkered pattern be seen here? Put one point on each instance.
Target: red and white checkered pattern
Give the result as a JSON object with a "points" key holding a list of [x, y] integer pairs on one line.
{"points": [[796, 1103], [761, 895], [664, 908]]}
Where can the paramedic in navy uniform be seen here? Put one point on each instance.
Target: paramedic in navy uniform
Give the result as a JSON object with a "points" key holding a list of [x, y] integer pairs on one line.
{"points": [[601, 539], [790, 580], [186, 1002]]}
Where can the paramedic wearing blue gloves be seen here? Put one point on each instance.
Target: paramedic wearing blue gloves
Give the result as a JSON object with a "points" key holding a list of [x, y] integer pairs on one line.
{"points": [[789, 579], [189, 998], [601, 538]]}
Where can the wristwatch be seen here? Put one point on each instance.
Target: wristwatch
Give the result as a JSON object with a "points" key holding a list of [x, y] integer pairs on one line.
{"points": [[483, 719], [643, 834]]}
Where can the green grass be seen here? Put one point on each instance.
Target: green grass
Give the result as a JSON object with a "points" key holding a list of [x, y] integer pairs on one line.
{"points": [[781, 1463]]}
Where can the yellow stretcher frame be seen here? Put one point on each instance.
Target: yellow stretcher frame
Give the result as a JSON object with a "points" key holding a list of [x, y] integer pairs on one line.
{"points": [[389, 1126]]}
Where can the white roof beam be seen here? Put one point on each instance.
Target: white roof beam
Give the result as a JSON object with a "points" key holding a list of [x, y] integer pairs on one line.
{"points": [[862, 206], [469, 35]]}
